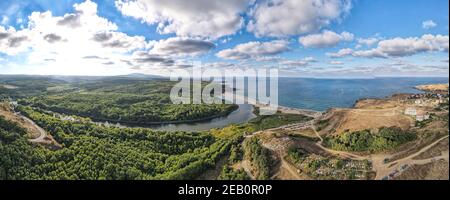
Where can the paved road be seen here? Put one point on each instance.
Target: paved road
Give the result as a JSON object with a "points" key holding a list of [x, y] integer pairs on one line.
{"points": [[42, 132]]}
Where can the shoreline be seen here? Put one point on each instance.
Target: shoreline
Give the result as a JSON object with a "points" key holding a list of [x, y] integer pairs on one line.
{"points": [[282, 109]]}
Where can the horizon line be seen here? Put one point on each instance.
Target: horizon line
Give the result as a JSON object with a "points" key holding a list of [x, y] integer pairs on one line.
{"points": [[281, 76]]}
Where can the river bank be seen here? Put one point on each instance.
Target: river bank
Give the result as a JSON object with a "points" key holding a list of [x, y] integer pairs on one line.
{"points": [[244, 113]]}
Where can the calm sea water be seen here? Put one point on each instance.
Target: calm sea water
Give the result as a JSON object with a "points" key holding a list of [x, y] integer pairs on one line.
{"points": [[322, 94]]}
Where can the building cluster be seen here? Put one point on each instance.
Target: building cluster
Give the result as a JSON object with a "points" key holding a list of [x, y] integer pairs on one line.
{"points": [[416, 101], [428, 99], [418, 114]]}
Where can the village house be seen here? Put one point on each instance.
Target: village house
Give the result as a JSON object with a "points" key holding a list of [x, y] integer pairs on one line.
{"points": [[419, 115], [419, 102], [422, 117], [411, 111]]}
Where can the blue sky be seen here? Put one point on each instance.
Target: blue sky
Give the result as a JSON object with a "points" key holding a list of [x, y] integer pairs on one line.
{"points": [[313, 38]]}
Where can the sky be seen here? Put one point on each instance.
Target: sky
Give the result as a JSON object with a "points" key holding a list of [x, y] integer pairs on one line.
{"points": [[307, 38]]}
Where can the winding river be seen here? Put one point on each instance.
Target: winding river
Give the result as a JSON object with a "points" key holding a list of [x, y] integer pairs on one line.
{"points": [[243, 114]]}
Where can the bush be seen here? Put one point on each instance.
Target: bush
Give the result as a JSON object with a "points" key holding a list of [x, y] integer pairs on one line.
{"points": [[361, 141]]}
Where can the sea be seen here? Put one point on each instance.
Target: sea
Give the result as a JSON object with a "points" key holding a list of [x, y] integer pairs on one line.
{"points": [[322, 94]]}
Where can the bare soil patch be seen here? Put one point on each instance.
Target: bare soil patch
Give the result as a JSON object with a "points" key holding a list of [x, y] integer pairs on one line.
{"points": [[432, 171]]}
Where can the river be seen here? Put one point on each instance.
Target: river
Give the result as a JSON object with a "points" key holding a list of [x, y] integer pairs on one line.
{"points": [[243, 114]]}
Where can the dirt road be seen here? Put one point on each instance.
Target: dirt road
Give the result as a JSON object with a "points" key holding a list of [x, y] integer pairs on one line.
{"points": [[245, 164], [378, 160], [385, 169]]}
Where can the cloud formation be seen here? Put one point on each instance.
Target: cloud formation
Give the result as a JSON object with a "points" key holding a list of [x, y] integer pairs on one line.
{"points": [[428, 24], [325, 39], [13, 42], [281, 18], [294, 63], [341, 53], [400, 47], [334, 62], [84, 39], [194, 18], [52, 38], [367, 41], [182, 46], [254, 50], [143, 57], [60, 44]]}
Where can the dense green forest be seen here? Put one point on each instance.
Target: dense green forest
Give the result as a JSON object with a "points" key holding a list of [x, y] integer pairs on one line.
{"points": [[361, 141], [96, 152], [114, 99], [259, 157], [236, 155], [25, 86], [277, 120]]}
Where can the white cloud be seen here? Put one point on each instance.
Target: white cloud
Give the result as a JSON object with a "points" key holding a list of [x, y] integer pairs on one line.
{"points": [[280, 18], [336, 62], [13, 42], [428, 24], [400, 47], [341, 53], [85, 43], [368, 41], [254, 50], [61, 44], [5, 20], [182, 46], [325, 39], [372, 53], [202, 18], [310, 59], [294, 63]]}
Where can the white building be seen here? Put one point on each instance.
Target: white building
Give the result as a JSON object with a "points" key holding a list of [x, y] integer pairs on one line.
{"points": [[418, 102], [411, 111], [422, 117]]}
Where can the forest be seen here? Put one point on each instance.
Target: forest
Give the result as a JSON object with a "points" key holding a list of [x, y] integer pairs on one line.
{"points": [[259, 157], [122, 100], [92, 152], [387, 138]]}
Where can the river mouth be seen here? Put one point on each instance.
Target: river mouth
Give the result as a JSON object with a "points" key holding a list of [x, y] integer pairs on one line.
{"points": [[243, 114]]}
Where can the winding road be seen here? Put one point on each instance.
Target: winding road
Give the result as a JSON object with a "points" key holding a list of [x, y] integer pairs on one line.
{"points": [[42, 132]]}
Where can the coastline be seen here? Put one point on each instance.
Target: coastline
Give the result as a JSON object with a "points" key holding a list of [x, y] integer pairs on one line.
{"points": [[282, 109]]}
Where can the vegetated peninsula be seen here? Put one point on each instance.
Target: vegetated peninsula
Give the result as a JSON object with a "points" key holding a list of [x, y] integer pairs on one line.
{"points": [[401, 137]]}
